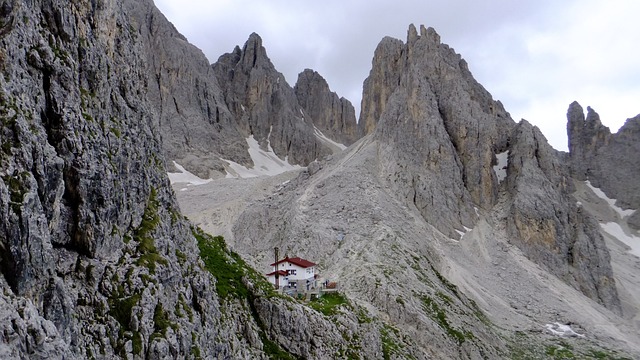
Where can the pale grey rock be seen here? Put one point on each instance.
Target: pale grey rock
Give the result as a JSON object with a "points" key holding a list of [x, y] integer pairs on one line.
{"points": [[424, 88], [334, 116], [609, 161], [264, 105], [445, 168]]}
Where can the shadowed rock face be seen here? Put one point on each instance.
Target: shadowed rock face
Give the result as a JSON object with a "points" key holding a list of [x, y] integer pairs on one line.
{"points": [[95, 258], [547, 225], [264, 105], [608, 161], [197, 128], [334, 116]]}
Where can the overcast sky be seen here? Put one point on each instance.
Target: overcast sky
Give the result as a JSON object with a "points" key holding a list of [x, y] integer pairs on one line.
{"points": [[534, 56]]}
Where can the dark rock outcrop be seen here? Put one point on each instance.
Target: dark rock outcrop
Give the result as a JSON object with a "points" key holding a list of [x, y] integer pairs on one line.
{"points": [[608, 161], [95, 259], [196, 126], [547, 225], [334, 116], [264, 105]]}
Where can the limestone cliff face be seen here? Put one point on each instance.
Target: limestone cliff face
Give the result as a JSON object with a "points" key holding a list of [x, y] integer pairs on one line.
{"points": [[547, 225], [95, 259], [388, 60], [334, 116], [438, 133], [264, 105], [196, 126], [456, 127], [608, 161]]}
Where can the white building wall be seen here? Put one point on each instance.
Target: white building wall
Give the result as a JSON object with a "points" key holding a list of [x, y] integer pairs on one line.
{"points": [[282, 280], [300, 273]]}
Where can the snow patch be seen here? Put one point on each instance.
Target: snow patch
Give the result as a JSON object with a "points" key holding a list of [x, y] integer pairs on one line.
{"points": [[462, 233], [615, 230], [266, 163], [326, 140], [612, 202], [501, 168], [185, 177], [562, 330]]}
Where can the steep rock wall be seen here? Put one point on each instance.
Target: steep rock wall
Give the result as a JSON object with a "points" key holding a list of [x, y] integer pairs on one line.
{"points": [[264, 105], [439, 132], [608, 161], [96, 260], [334, 116]]}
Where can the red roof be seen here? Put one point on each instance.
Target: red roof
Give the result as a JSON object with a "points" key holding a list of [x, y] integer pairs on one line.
{"points": [[280, 272], [296, 261]]}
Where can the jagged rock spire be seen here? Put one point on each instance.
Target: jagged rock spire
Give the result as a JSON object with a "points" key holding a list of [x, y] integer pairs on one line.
{"points": [[332, 115]]}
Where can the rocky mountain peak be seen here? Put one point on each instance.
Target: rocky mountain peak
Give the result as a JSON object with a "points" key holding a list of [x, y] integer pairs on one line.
{"points": [[425, 89], [334, 116], [265, 106], [440, 134], [607, 160], [253, 49], [382, 79]]}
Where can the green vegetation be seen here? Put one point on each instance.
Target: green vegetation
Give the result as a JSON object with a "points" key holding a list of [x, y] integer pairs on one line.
{"points": [[329, 303], [137, 343], [390, 346], [17, 189], [116, 132], [440, 317], [524, 347], [453, 288], [121, 309], [273, 350], [149, 255], [195, 350], [230, 270], [227, 269], [559, 352], [363, 316], [161, 321], [182, 258]]}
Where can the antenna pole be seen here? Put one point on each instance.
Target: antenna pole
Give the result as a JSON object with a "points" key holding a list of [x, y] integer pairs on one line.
{"points": [[275, 251]]}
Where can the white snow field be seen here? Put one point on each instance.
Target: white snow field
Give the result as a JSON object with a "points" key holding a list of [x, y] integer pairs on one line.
{"points": [[185, 177], [501, 168], [562, 330], [332, 144], [615, 230], [611, 202], [266, 163]]}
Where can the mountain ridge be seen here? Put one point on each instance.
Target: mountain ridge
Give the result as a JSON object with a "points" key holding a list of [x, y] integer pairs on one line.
{"points": [[437, 255]]}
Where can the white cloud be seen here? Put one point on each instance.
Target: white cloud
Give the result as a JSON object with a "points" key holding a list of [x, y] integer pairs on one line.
{"points": [[535, 56]]}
